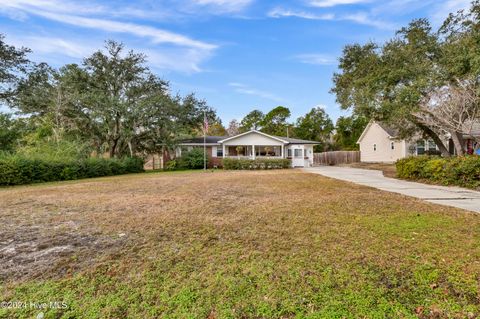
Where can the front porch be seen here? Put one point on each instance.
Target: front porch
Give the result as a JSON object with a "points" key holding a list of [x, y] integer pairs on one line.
{"points": [[253, 151]]}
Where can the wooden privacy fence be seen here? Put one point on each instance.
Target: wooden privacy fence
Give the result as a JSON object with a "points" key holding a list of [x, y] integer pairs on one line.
{"points": [[153, 161], [335, 158]]}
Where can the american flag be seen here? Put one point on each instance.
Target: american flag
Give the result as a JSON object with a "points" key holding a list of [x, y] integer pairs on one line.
{"points": [[205, 124]]}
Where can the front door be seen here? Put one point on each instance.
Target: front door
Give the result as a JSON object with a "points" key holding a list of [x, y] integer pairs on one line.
{"points": [[298, 160]]}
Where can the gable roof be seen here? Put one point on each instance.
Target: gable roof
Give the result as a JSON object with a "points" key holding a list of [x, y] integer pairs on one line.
{"points": [[392, 132], [221, 139], [281, 139]]}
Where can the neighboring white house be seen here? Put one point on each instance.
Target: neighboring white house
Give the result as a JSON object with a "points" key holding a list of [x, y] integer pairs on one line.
{"points": [[252, 145], [380, 143]]}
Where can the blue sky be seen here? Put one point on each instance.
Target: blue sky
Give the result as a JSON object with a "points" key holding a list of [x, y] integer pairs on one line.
{"points": [[239, 55]]}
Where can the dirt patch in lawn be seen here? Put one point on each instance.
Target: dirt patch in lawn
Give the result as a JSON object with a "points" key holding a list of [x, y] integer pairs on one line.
{"points": [[42, 251]]}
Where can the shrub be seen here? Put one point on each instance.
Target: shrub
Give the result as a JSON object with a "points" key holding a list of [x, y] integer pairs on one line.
{"points": [[259, 163], [192, 160], [171, 165], [460, 171], [17, 170]]}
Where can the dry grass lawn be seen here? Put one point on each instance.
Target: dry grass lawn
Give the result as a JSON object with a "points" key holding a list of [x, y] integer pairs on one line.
{"points": [[269, 244]]}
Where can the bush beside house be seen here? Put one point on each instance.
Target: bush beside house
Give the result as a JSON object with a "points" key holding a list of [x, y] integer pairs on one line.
{"points": [[17, 170], [459, 171], [238, 164], [194, 159]]}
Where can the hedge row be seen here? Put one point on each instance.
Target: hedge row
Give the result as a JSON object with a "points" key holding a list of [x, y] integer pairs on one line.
{"points": [[16, 170], [260, 163], [460, 171]]}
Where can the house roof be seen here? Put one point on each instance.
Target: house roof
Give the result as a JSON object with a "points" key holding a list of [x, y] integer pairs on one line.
{"points": [[199, 140], [221, 139], [281, 139], [392, 133], [390, 130], [290, 140]]}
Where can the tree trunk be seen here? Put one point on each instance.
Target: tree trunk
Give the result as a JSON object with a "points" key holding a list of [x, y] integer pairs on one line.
{"points": [[130, 148], [113, 148], [438, 141], [457, 139]]}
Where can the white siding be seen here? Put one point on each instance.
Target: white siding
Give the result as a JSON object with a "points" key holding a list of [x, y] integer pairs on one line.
{"points": [[253, 139], [309, 150], [376, 135]]}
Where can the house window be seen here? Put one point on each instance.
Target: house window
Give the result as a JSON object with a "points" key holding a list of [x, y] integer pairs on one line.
{"points": [[268, 150], [374, 147], [420, 147], [289, 152], [184, 150], [431, 145], [392, 145], [219, 151], [298, 152]]}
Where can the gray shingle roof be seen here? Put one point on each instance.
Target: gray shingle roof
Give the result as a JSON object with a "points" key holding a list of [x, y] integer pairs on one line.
{"points": [[199, 140], [295, 140], [390, 130]]}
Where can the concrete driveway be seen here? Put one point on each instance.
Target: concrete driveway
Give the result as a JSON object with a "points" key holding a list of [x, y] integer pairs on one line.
{"points": [[449, 196]]}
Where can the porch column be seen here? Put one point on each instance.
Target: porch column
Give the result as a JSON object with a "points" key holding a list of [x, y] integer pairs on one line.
{"points": [[223, 150], [253, 151], [283, 151]]}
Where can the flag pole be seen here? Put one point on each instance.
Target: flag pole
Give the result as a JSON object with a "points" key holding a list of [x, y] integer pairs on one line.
{"points": [[204, 141]]}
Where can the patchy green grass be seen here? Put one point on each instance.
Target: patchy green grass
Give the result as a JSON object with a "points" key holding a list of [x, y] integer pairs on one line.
{"points": [[265, 244]]}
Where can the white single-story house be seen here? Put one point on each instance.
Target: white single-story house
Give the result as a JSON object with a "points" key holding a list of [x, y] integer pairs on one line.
{"points": [[380, 143], [251, 145]]}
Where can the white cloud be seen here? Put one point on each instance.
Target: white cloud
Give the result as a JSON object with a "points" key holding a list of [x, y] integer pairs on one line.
{"points": [[53, 6], [48, 45], [359, 17], [245, 89], [333, 3], [166, 50], [54, 10], [224, 5], [316, 58], [284, 13], [157, 35], [52, 48], [366, 19], [182, 60]]}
